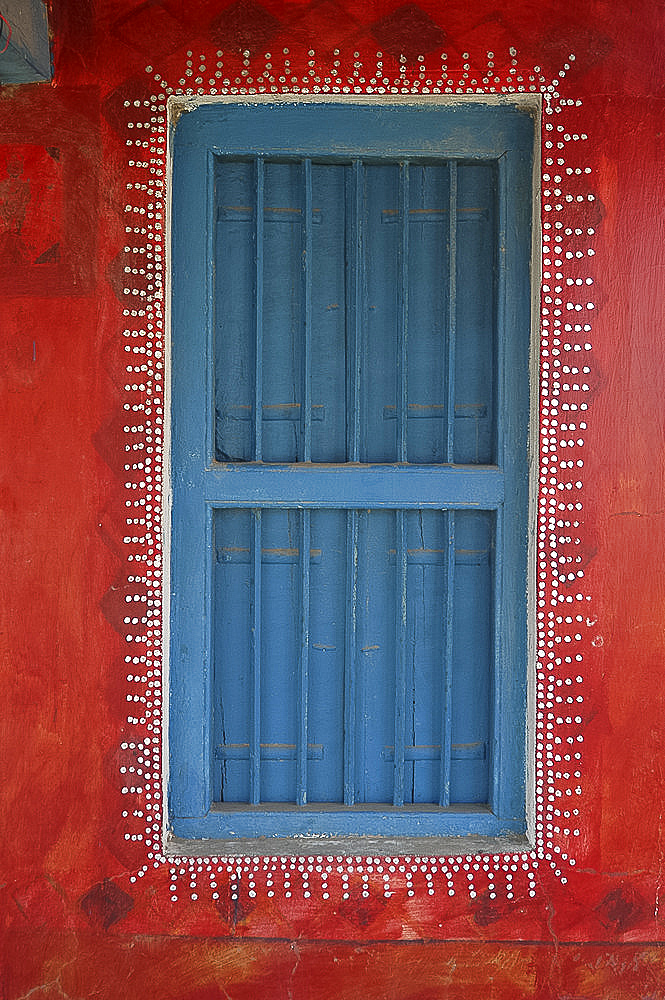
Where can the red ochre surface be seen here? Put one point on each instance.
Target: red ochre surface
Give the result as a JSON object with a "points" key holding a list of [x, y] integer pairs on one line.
{"points": [[74, 924]]}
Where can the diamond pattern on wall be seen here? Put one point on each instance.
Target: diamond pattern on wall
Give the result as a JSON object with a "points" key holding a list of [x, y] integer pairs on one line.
{"points": [[320, 22], [151, 29], [408, 31], [244, 25]]}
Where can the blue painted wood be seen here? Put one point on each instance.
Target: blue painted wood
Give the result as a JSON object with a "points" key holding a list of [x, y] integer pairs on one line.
{"points": [[327, 655], [406, 270], [303, 688], [308, 264], [283, 719], [450, 381], [340, 485], [283, 308], [255, 748], [401, 686], [257, 401], [402, 316], [381, 371], [513, 399], [341, 132], [238, 332], [447, 673], [408, 821], [351, 708], [410, 263], [379, 612], [472, 651], [329, 324], [355, 303], [353, 657], [498, 716], [268, 751], [475, 359], [236, 653], [425, 553], [428, 266]]}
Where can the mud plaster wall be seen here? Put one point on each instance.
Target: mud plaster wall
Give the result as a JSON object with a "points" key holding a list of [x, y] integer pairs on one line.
{"points": [[90, 905]]}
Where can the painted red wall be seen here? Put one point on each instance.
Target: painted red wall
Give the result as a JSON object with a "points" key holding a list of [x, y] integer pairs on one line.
{"points": [[87, 908]]}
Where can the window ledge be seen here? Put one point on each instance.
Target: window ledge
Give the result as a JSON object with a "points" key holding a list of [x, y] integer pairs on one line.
{"points": [[347, 846]]}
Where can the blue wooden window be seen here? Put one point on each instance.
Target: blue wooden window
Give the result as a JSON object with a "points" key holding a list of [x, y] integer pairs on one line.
{"points": [[350, 408]]}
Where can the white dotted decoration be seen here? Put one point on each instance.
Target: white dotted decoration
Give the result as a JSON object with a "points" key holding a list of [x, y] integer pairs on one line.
{"points": [[564, 611]]}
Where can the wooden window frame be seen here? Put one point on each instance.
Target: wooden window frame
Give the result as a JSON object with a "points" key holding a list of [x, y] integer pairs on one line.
{"points": [[199, 824]]}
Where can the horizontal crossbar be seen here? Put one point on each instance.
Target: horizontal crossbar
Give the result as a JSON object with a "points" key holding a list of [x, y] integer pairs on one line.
{"points": [[353, 486]]}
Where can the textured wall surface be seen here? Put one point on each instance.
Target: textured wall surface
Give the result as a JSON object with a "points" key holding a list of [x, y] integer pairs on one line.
{"points": [[90, 906]]}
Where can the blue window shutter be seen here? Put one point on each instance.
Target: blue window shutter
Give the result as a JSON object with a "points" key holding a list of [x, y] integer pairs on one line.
{"points": [[25, 53], [350, 386]]}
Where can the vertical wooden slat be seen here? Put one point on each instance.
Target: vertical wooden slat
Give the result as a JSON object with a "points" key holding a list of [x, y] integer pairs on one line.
{"points": [[447, 673], [255, 731], [354, 308], [350, 645], [403, 313], [306, 413], [303, 687], [446, 719], [400, 658], [452, 314], [209, 427], [500, 721], [502, 747], [258, 310], [503, 306]]}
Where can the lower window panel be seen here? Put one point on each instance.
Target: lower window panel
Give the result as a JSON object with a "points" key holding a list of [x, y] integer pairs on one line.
{"points": [[353, 656]]}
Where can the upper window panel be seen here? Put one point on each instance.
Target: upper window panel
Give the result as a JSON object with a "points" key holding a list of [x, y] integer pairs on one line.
{"points": [[355, 310]]}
